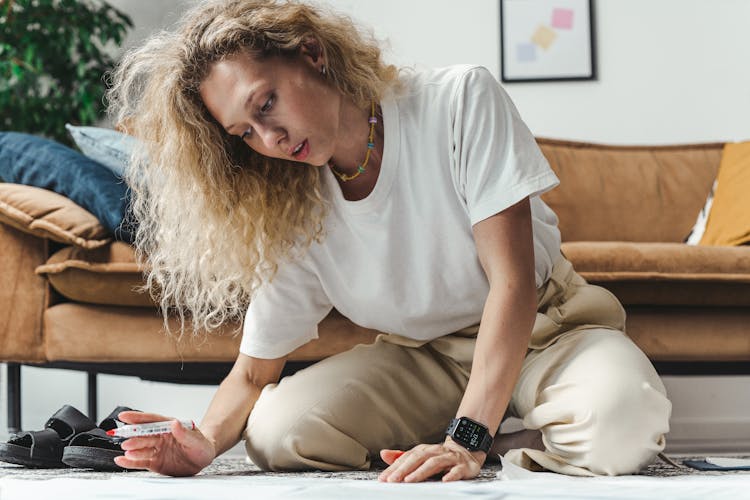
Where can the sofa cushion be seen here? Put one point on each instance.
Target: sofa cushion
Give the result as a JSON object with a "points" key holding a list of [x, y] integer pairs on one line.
{"points": [[108, 275], [665, 273], [49, 215], [86, 333], [690, 333], [109, 147], [35, 161], [629, 193], [729, 218]]}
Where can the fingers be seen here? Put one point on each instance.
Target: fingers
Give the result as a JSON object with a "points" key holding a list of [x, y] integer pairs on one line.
{"points": [[129, 463], [188, 437], [394, 458], [183, 436], [430, 467], [403, 463], [141, 442], [411, 461], [141, 454], [138, 417], [459, 471], [179, 434], [390, 456], [423, 462]]}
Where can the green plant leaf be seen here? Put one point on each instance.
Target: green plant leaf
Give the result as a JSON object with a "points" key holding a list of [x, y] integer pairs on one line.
{"points": [[52, 58]]}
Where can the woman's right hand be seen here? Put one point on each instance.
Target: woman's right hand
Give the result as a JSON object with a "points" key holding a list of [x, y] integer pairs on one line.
{"points": [[183, 452]]}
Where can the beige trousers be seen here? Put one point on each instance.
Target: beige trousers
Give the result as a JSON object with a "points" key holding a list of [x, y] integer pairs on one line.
{"points": [[596, 398]]}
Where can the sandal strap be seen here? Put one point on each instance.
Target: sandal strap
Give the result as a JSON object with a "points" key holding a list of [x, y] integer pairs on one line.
{"points": [[96, 438], [111, 421], [68, 421], [45, 444]]}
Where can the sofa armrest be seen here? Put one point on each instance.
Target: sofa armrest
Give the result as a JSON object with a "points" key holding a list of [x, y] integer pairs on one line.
{"points": [[24, 296]]}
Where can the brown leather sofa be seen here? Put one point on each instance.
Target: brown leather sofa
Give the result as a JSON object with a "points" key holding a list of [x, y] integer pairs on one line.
{"points": [[67, 299]]}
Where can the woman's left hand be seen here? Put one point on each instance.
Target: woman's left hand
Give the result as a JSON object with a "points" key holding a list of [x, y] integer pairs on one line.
{"points": [[426, 460]]}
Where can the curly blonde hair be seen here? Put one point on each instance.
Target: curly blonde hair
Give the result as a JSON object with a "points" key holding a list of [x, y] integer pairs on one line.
{"points": [[215, 219]]}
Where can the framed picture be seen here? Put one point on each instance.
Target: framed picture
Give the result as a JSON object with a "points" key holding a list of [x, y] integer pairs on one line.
{"points": [[547, 40]]}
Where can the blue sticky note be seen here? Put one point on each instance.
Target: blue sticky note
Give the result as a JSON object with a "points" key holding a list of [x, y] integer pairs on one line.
{"points": [[525, 52]]}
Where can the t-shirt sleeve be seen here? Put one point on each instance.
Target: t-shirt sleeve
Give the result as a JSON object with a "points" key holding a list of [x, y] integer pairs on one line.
{"points": [[284, 313], [496, 160]]}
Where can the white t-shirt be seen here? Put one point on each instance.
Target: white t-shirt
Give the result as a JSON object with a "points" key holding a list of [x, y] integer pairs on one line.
{"points": [[403, 260]]}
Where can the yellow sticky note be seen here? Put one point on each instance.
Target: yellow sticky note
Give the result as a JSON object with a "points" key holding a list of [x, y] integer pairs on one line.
{"points": [[544, 36]]}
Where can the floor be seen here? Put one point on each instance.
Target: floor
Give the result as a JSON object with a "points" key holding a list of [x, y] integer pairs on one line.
{"points": [[233, 477]]}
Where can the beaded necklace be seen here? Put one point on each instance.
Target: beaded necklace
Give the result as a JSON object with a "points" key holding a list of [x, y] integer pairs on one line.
{"points": [[370, 146]]}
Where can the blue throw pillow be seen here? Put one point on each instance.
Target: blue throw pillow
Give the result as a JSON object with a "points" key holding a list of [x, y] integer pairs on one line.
{"points": [[109, 147], [35, 161]]}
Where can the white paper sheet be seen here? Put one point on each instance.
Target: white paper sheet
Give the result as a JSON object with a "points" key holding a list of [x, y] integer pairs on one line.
{"points": [[729, 461], [526, 484], [243, 488]]}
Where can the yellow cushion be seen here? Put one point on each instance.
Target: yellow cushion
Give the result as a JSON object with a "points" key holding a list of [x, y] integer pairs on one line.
{"points": [[729, 219]]}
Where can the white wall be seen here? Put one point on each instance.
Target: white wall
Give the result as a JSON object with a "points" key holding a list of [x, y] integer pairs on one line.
{"points": [[670, 71], [149, 16]]}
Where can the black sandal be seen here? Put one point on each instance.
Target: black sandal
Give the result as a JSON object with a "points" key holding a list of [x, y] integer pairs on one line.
{"points": [[44, 449], [93, 449]]}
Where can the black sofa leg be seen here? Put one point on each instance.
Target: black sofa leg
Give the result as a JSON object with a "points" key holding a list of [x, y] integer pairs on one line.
{"points": [[92, 395], [14, 397]]}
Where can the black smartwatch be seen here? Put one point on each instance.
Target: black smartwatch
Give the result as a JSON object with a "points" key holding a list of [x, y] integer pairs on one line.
{"points": [[470, 434]]}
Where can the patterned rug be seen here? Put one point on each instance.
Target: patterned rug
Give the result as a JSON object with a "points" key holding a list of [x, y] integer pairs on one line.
{"points": [[238, 466]]}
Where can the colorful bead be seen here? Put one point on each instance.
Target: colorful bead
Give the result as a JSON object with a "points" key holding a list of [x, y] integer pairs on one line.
{"points": [[370, 146]]}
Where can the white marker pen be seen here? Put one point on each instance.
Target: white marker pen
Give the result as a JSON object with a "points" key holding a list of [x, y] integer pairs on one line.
{"points": [[148, 429]]}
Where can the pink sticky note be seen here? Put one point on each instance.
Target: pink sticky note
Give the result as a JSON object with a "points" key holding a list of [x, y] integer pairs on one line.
{"points": [[562, 19]]}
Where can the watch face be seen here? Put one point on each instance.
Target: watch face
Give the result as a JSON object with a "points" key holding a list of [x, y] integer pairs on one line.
{"points": [[469, 433]]}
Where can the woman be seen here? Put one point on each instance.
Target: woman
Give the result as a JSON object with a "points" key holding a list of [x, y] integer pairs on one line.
{"points": [[289, 165]]}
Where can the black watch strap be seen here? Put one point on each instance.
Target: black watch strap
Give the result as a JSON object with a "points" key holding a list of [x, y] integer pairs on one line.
{"points": [[470, 434], [486, 443]]}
